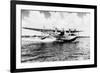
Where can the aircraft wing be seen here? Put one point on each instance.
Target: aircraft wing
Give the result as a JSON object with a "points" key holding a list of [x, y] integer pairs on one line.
{"points": [[73, 31], [41, 30], [51, 30]]}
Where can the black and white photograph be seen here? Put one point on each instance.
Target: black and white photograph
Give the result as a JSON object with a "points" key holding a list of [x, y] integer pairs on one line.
{"points": [[54, 36]]}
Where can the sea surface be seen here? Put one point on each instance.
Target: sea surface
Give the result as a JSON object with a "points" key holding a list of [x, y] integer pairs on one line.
{"points": [[56, 51]]}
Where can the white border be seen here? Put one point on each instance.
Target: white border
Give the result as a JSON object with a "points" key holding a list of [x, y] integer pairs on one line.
{"points": [[20, 65]]}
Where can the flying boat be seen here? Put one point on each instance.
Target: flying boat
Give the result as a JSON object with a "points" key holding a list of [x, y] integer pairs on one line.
{"points": [[51, 35]]}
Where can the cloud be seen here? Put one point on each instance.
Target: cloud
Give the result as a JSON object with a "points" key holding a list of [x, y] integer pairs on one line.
{"points": [[81, 14], [24, 13], [46, 14], [50, 19]]}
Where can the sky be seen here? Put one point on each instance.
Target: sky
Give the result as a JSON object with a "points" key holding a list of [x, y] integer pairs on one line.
{"points": [[51, 19]]}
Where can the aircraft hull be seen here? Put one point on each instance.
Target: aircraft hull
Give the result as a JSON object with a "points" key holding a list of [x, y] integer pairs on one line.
{"points": [[67, 40], [47, 40]]}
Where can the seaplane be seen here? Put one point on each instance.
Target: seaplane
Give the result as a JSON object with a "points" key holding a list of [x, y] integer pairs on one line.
{"points": [[54, 35]]}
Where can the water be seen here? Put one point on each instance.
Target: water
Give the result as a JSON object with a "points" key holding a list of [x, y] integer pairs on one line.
{"points": [[56, 51]]}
